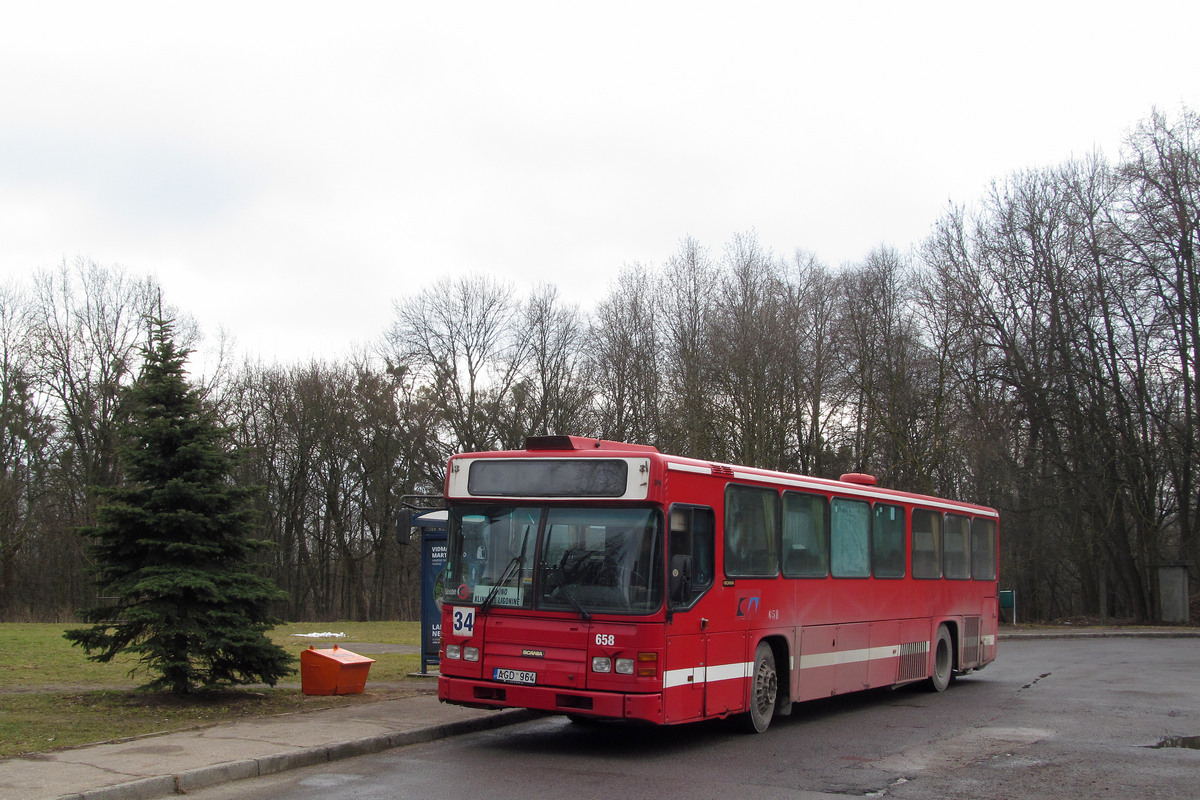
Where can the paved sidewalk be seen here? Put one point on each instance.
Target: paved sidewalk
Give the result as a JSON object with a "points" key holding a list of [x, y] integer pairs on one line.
{"points": [[175, 763]]}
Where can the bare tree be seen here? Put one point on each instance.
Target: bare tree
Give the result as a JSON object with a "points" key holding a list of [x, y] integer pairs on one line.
{"points": [[87, 323], [463, 337], [685, 295], [335, 447], [90, 323], [1045, 304], [749, 350], [25, 444], [553, 397], [818, 375], [896, 403], [625, 348], [1160, 171]]}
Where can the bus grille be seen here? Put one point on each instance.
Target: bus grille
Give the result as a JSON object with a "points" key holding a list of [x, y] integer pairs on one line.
{"points": [[912, 660]]}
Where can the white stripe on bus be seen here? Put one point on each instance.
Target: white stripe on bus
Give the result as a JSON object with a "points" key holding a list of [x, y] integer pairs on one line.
{"points": [[713, 674], [832, 659], [739, 671]]}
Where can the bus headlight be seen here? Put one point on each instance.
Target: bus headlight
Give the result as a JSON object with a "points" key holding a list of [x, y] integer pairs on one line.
{"points": [[453, 651], [601, 664], [470, 654], [624, 666]]}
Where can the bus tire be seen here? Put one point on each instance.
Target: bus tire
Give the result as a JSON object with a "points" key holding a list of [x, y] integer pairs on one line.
{"points": [[764, 689], [943, 660]]}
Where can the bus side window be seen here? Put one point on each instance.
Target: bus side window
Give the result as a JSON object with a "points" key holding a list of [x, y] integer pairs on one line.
{"points": [[983, 549], [955, 549], [849, 538], [805, 535], [692, 537], [887, 541], [926, 543], [751, 532]]}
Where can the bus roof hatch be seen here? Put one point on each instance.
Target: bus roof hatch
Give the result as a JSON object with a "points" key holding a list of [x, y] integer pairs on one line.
{"points": [[581, 443]]}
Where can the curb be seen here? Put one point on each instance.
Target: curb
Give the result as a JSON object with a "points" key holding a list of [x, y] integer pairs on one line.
{"points": [[1083, 634], [205, 777]]}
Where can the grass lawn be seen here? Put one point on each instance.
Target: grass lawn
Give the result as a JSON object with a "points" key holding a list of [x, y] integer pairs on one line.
{"points": [[52, 696]]}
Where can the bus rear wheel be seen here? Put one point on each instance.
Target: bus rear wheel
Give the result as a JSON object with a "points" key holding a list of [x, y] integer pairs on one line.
{"points": [[943, 660], [764, 689]]}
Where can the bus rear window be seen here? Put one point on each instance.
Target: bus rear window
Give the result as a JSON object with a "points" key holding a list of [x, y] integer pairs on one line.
{"points": [[549, 477]]}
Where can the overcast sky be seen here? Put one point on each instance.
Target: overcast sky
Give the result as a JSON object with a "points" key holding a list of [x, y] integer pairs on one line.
{"points": [[287, 169]]}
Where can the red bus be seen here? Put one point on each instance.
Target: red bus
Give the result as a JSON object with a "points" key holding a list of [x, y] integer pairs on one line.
{"points": [[606, 580]]}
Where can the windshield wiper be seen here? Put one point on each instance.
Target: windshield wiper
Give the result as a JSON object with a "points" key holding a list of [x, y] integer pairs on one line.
{"points": [[578, 606], [504, 576], [517, 561]]}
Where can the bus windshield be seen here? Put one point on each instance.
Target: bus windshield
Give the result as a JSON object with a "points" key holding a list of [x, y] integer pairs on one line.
{"points": [[583, 560]]}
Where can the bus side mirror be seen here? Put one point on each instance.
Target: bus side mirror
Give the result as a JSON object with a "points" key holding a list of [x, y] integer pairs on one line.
{"points": [[680, 578], [404, 526]]}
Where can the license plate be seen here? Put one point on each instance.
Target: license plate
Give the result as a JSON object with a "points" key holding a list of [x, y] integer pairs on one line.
{"points": [[514, 676]]}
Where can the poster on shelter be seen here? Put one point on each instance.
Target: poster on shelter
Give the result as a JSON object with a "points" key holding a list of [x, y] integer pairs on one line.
{"points": [[433, 565]]}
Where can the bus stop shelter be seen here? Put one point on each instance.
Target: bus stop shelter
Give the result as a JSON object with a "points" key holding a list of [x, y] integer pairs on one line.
{"points": [[432, 527]]}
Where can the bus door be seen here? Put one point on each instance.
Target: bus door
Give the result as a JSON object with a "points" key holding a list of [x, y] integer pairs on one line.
{"points": [[683, 679], [750, 593], [725, 683], [690, 566], [706, 669]]}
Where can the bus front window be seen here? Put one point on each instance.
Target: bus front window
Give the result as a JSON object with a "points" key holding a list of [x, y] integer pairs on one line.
{"points": [[491, 555], [601, 560], [591, 560]]}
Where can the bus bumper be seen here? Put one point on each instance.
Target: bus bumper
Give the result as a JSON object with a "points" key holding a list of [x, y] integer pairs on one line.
{"points": [[490, 694]]}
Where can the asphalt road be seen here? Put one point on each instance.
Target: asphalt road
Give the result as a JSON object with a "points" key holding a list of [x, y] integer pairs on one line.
{"points": [[1050, 719]]}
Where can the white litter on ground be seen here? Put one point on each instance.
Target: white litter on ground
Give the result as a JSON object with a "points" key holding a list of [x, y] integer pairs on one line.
{"points": [[325, 635]]}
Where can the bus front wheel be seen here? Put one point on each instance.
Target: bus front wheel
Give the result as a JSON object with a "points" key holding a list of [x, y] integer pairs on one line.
{"points": [[764, 689], [943, 660]]}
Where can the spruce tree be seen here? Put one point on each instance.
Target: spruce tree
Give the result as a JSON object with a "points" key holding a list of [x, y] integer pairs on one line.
{"points": [[172, 545]]}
